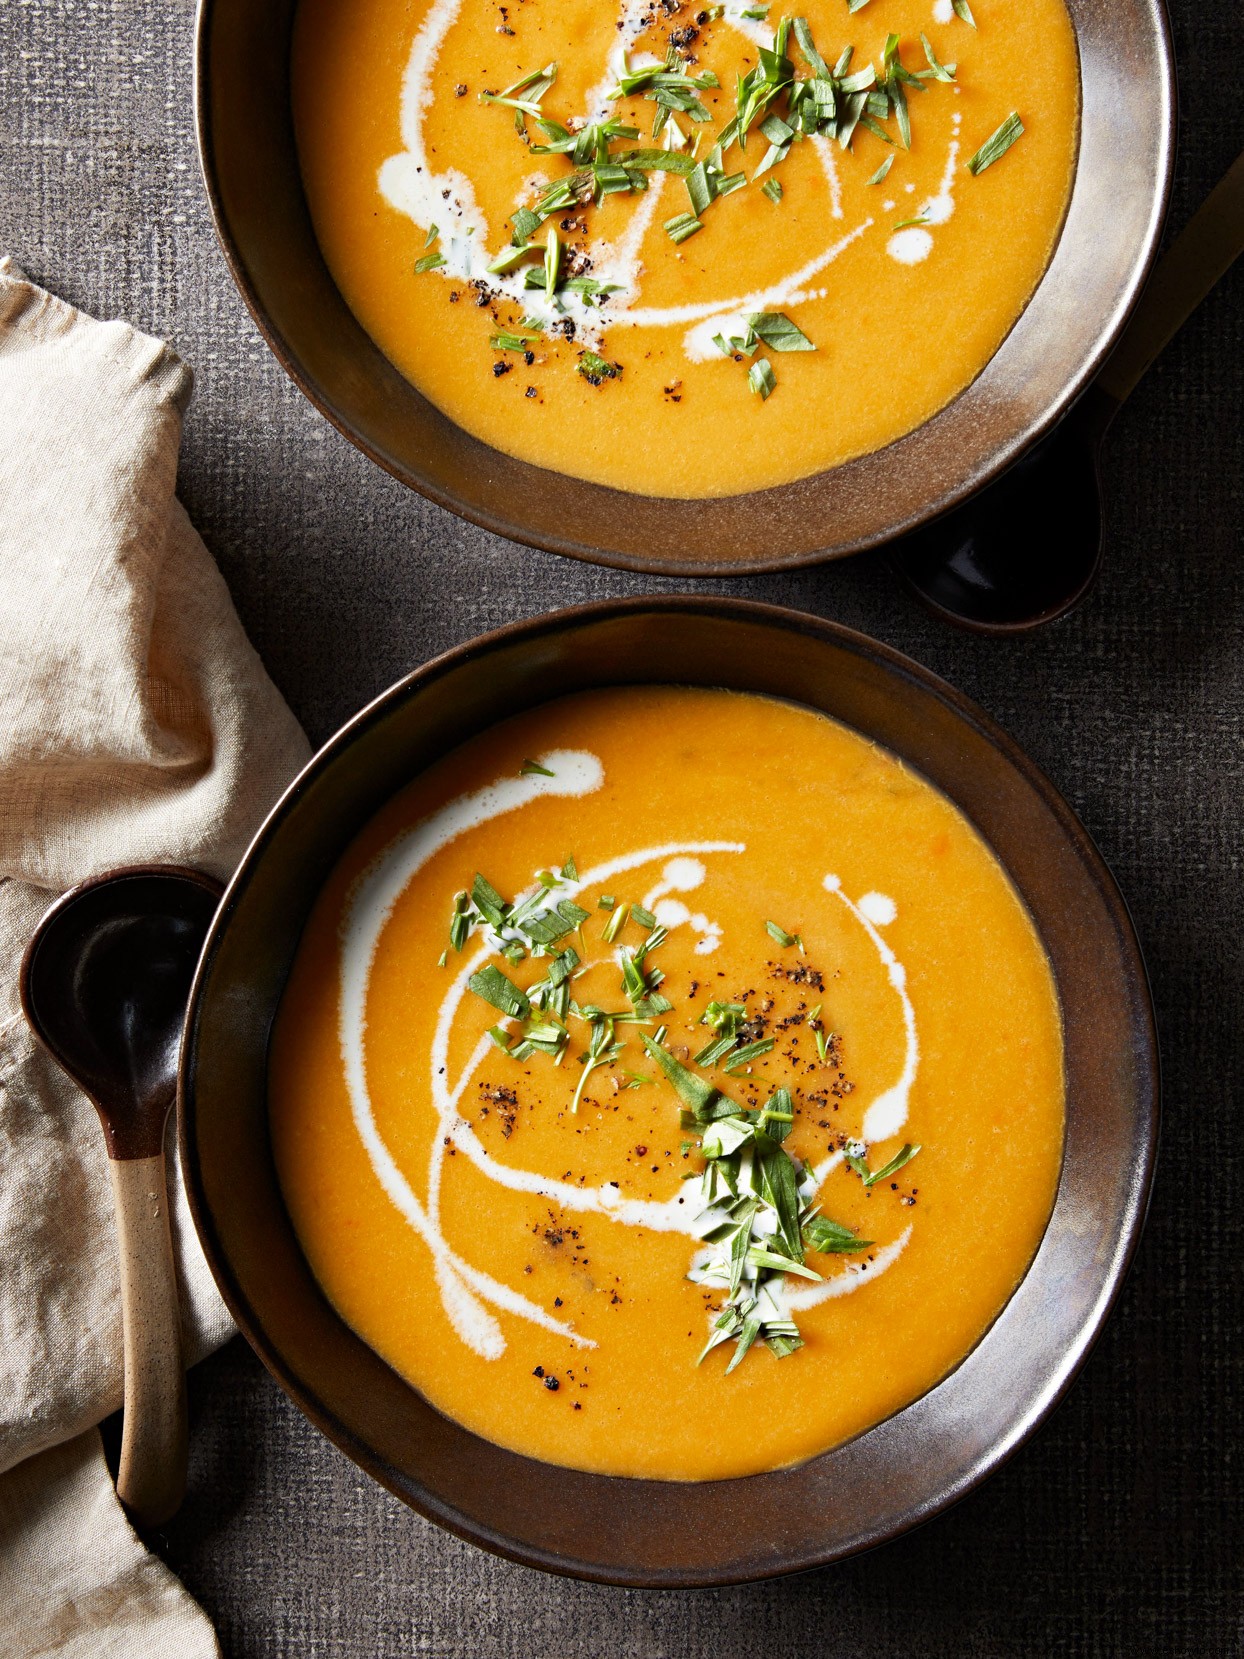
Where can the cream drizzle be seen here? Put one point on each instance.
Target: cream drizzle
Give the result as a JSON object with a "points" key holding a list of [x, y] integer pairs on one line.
{"points": [[447, 200], [879, 909], [683, 875], [829, 165], [850, 1279], [627, 266], [914, 244], [732, 315], [465, 1290], [888, 1112]]}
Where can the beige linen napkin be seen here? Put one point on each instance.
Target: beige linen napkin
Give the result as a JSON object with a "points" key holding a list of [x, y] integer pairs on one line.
{"points": [[136, 725]]}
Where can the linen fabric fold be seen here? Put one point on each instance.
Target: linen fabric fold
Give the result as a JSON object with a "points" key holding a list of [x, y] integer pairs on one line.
{"points": [[137, 725]]}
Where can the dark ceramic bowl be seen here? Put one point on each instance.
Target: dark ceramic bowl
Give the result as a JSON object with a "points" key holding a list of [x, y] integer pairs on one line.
{"points": [[643, 1532], [246, 144]]}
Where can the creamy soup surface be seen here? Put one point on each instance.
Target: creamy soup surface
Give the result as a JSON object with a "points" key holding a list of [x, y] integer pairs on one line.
{"points": [[783, 1081], [900, 268]]}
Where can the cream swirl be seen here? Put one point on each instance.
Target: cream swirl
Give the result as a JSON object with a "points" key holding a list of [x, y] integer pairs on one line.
{"points": [[466, 1291]]}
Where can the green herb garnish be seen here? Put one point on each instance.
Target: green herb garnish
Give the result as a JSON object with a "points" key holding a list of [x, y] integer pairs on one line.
{"points": [[716, 1050], [670, 88], [460, 921], [760, 378], [938, 71], [777, 331], [853, 1155], [777, 1116], [783, 938], [997, 144], [695, 1093], [831, 1238], [504, 341], [533, 767], [525, 95], [903, 1156], [682, 226], [592, 291], [656, 161], [640, 983], [603, 1050], [486, 899], [552, 260], [699, 189], [749, 1052], [526, 224], [546, 927], [772, 188], [823, 1038], [757, 1212], [594, 369], [964, 11], [511, 257], [615, 923], [815, 61], [726, 1018], [491, 984]]}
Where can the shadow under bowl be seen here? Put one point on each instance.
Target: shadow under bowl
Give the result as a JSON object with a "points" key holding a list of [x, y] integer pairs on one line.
{"points": [[639, 1532], [1118, 202]]}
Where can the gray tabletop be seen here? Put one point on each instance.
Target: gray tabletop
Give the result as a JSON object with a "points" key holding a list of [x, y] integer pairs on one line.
{"points": [[1117, 1530]]}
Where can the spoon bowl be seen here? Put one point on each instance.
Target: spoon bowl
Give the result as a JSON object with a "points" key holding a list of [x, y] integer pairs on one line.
{"points": [[1028, 549], [104, 984]]}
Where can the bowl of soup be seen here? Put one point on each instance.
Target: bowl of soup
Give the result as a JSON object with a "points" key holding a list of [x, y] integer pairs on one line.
{"points": [[672, 1092], [683, 288]]}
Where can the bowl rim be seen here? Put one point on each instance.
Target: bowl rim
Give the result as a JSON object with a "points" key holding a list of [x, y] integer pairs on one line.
{"points": [[1132, 1213], [949, 497]]}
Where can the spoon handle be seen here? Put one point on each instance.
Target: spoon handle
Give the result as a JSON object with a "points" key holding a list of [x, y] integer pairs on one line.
{"points": [[151, 1481], [1204, 251]]}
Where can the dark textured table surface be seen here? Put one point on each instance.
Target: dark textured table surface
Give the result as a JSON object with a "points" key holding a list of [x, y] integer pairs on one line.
{"points": [[1117, 1531]]}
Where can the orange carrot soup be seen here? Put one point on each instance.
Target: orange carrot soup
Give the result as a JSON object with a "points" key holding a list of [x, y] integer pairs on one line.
{"points": [[655, 1039], [687, 250]]}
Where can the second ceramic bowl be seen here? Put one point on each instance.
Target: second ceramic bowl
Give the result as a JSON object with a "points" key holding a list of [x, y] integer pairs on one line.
{"points": [[250, 164]]}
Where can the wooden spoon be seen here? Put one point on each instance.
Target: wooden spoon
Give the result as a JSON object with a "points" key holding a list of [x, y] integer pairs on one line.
{"points": [[1027, 548], [104, 985]]}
